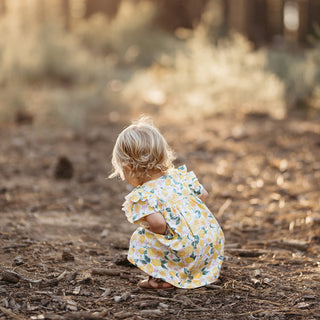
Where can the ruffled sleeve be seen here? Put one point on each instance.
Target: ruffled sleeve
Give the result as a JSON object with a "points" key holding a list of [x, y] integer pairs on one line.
{"points": [[139, 204], [191, 180]]}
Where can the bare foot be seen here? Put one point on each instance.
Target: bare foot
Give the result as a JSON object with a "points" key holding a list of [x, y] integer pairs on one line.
{"points": [[155, 284]]}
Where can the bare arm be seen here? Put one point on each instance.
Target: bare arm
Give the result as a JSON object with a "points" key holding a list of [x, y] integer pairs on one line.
{"points": [[204, 195], [156, 222]]}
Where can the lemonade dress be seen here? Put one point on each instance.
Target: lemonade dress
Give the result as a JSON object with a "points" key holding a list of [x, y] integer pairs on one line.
{"points": [[190, 254]]}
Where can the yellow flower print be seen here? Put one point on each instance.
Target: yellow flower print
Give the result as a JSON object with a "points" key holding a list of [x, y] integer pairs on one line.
{"points": [[137, 209], [156, 262], [149, 235], [202, 233], [157, 245], [218, 246], [131, 251], [179, 228], [175, 198], [140, 250], [198, 276], [196, 282], [188, 260], [196, 223], [165, 192], [182, 254], [142, 238], [188, 250], [149, 268], [185, 192], [215, 255], [168, 182], [172, 273], [183, 276], [151, 185], [163, 274], [215, 270], [135, 197], [151, 252]]}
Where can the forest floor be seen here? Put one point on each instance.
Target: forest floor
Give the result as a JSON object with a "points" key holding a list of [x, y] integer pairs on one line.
{"points": [[64, 238]]}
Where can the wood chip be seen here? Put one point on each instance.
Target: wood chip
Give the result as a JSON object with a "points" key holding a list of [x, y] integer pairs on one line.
{"points": [[108, 272], [11, 314]]}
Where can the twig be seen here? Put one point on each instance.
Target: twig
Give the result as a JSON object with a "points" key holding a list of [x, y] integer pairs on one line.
{"points": [[87, 315], [292, 311], [11, 314], [107, 272], [15, 246], [223, 208], [14, 277], [247, 252]]}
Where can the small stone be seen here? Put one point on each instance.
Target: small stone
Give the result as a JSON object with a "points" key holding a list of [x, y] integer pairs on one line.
{"points": [[71, 305], [67, 255], [125, 296], [23, 117], [38, 317], [121, 260], [76, 290], [10, 276], [18, 261], [117, 298], [302, 305], [257, 273], [106, 293], [105, 233], [63, 168]]}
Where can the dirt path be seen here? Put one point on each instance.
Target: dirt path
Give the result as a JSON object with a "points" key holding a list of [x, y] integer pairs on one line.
{"points": [[63, 242]]}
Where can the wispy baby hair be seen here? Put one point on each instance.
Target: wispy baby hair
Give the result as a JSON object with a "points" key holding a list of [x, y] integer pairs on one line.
{"points": [[143, 148]]}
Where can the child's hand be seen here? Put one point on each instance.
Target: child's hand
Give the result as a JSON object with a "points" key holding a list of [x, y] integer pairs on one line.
{"points": [[156, 222], [204, 195]]}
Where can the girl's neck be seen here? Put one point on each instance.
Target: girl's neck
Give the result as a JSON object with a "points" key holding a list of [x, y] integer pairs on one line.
{"points": [[152, 175]]}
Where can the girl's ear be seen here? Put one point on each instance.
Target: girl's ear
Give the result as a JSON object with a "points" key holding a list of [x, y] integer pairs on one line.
{"points": [[127, 167]]}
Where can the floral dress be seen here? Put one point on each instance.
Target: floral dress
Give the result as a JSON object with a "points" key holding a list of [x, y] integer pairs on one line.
{"points": [[190, 254]]}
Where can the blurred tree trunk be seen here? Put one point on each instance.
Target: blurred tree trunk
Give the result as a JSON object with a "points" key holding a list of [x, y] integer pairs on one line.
{"points": [[41, 11], [66, 14], [314, 15], [256, 21], [275, 26], [303, 21], [3, 7], [236, 18], [174, 14], [107, 7]]}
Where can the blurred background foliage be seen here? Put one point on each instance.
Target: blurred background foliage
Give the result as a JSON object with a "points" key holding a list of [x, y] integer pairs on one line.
{"points": [[75, 61]]}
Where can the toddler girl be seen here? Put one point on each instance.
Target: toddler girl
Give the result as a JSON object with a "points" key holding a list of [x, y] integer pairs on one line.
{"points": [[178, 242]]}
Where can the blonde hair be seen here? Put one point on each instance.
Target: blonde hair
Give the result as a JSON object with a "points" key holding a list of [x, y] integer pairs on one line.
{"points": [[143, 148]]}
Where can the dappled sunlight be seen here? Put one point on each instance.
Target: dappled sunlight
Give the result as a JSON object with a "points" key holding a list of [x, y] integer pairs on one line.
{"points": [[235, 90], [203, 79], [106, 63]]}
